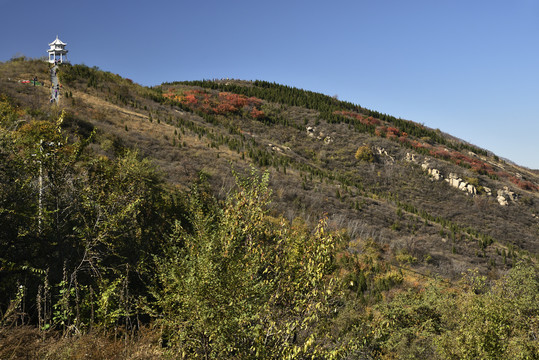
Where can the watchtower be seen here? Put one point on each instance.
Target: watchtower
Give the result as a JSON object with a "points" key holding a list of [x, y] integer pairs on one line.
{"points": [[57, 51]]}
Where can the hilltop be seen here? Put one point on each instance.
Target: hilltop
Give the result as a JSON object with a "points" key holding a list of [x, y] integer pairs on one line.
{"points": [[144, 180]]}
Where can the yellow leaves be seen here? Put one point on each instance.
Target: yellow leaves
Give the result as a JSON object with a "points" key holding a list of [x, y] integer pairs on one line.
{"points": [[252, 281], [364, 153], [308, 343], [60, 121]]}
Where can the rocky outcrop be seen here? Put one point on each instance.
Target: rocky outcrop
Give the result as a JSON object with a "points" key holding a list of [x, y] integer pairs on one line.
{"points": [[275, 148], [380, 151], [279, 148], [436, 174], [502, 200], [505, 195], [311, 131], [455, 181], [412, 158]]}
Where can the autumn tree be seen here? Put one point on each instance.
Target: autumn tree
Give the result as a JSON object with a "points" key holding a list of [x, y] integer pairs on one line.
{"points": [[242, 284], [364, 153]]}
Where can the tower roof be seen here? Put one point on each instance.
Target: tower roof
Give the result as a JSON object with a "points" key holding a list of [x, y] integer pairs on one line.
{"points": [[57, 42]]}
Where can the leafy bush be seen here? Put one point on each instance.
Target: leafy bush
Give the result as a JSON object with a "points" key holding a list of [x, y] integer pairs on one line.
{"points": [[364, 153], [245, 285]]}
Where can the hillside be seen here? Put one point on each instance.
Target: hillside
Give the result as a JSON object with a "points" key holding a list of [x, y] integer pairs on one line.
{"points": [[393, 192], [424, 202]]}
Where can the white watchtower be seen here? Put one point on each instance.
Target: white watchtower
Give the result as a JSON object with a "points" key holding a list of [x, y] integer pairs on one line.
{"points": [[57, 51]]}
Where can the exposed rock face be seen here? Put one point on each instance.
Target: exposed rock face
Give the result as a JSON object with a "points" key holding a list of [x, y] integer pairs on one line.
{"points": [[502, 200], [505, 195], [383, 152], [275, 148], [436, 174], [455, 181], [412, 157], [311, 131], [512, 196]]}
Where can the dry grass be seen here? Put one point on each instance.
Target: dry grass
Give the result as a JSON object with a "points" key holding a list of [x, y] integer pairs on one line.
{"points": [[23, 342], [98, 103]]}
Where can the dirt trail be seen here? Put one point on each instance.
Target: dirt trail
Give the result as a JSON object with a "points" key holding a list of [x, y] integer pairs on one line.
{"points": [[100, 103]]}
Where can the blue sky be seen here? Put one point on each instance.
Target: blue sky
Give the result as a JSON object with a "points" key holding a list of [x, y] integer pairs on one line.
{"points": [[469, 68]]}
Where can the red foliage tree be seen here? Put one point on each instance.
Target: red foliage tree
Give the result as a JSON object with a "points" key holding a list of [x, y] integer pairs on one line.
{"points": [[223, 103], [257, 114]]}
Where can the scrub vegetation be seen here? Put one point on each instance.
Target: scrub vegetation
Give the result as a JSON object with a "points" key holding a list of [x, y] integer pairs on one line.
{"points": [[250, 220]]}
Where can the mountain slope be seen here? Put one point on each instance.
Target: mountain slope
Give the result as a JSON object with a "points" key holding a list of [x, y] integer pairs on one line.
{"points": [[278, 223], [420, 192]]}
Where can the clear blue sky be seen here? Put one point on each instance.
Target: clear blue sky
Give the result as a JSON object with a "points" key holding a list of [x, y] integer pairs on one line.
{"points": [[469, 68]]}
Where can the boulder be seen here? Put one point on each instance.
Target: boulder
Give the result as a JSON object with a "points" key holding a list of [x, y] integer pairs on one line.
{"points": [[455, 182], [411, 157], [435, 173], [275, 148], [507, 194]]}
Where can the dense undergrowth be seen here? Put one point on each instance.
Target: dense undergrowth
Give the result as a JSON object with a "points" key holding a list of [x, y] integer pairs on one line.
{"points": [[100, 258]]}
